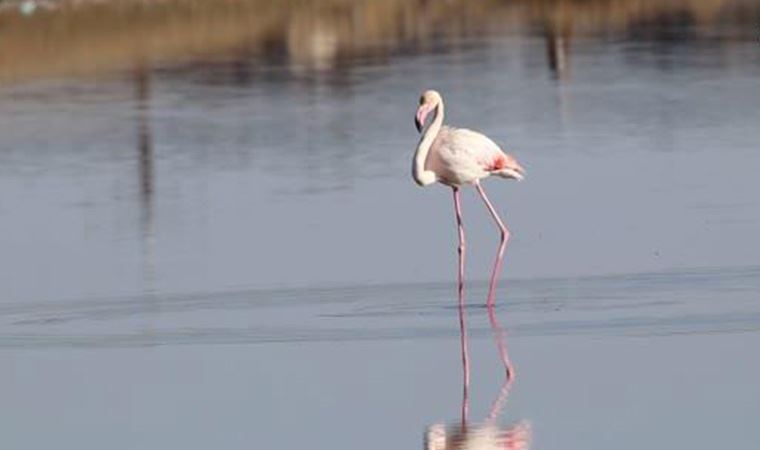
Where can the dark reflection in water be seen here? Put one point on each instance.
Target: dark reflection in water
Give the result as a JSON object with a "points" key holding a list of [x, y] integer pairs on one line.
{"points": [[558, 50], [146, 181], [142, 76]]}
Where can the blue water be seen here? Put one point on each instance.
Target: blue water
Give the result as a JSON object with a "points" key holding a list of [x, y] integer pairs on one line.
{"points": [[191, 259]]}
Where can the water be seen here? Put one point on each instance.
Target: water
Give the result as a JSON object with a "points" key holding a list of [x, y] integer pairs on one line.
{"points": [[210, 236]]}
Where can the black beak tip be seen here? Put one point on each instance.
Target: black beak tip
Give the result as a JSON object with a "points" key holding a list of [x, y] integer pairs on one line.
{"points": [[418, 125]]}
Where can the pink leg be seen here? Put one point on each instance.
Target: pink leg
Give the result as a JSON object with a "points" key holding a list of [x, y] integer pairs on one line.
{"points": [[498, 404], [500, 335], [462, 312]]}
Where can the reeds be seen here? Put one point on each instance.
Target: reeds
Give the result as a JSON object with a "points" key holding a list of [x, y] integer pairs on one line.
{"points": [[81, 37]]}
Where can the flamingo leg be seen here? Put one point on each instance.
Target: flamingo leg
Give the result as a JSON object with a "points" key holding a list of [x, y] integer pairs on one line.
{"points": [[500, 337], [462, 311], [499, 333]]}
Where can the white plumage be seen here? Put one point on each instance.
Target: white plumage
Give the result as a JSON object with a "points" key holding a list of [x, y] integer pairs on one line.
{"points": [[460, 156], [456, 156]]}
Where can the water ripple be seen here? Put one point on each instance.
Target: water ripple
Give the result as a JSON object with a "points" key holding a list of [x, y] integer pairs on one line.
{"points": [[716, 300]]}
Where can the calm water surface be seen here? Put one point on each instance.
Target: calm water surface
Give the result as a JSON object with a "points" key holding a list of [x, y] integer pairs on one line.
{"points": [[221, 245]]}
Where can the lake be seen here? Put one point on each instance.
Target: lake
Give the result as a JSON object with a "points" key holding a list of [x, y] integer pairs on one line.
{"points": [[209, 234]]}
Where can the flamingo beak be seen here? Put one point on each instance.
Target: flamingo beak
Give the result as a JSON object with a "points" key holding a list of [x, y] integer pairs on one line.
{"points": [[517, 175], [515, 170], [419, 119], [519, 170]]}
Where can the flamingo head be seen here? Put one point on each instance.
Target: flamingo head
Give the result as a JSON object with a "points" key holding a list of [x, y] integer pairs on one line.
{"points": [[429, 101]]}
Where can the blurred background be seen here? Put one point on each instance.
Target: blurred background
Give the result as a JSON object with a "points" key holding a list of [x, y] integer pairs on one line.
{"points": [[209, 234]]}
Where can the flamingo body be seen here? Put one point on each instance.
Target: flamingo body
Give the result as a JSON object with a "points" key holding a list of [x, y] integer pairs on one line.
{"points": [[459, 156], [456, 156]]}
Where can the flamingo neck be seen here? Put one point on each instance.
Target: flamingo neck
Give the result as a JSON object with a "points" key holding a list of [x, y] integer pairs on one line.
{"points": [[421, 176]]}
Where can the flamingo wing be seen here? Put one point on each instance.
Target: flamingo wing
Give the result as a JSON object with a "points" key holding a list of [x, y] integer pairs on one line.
{"points": [[469, 147], [461, 156], [480, 148]]}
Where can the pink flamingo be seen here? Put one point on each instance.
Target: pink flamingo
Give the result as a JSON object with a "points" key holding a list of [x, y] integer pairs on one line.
{"points": [[457, 157]]}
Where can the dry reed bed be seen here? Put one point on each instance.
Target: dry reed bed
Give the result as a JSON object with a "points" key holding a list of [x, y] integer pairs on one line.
{"points": [[90, 37]]}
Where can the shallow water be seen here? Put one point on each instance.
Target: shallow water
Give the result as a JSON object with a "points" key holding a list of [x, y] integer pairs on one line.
{"points": [[220, 244]]}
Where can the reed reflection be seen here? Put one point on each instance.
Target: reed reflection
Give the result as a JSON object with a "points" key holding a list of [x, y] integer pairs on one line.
{"points": [[144, 146], [146, 182], [558, 37]]}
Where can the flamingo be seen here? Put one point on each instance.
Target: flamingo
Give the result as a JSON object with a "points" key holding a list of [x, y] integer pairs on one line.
{"points": [[457, 157]]}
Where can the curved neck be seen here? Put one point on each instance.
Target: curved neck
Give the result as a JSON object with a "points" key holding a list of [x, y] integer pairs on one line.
{"points": [[421, 176]]}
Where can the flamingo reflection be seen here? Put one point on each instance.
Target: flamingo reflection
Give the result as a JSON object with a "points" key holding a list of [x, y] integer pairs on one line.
{"points": [[487, 435]]}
